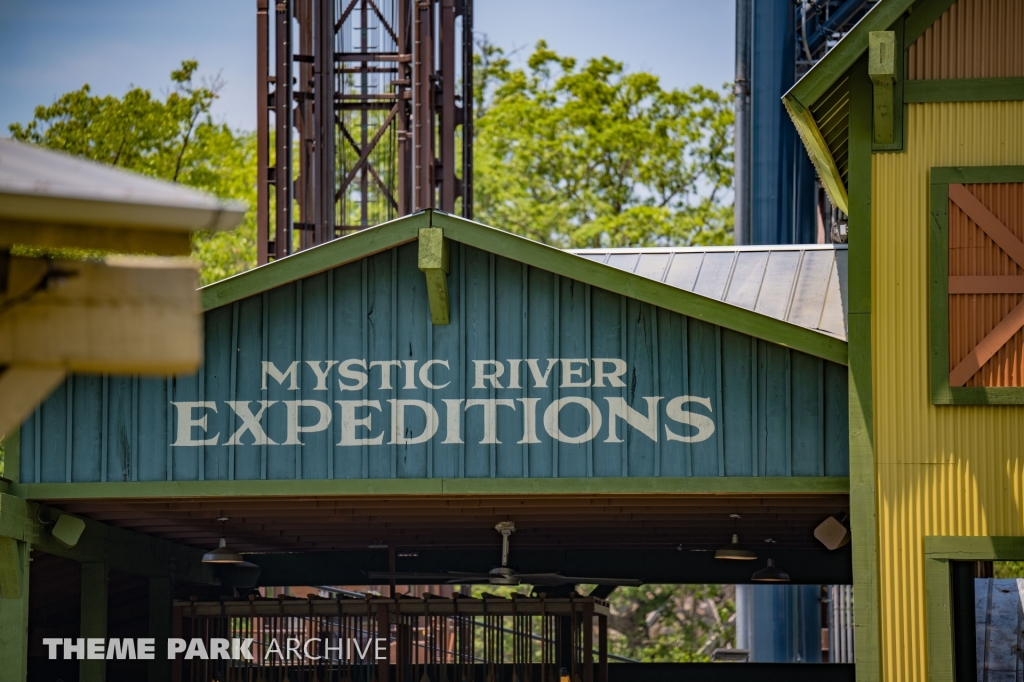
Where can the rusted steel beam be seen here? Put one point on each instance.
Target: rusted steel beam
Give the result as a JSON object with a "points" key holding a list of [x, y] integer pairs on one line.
{"points": [[262, 132], [466, 118], [446, 121], [423, 104], [283, 129], [305, 181], [324, 143], [372, 89]]}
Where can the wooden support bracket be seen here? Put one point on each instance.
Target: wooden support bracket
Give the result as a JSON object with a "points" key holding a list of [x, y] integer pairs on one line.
{"points": [[122, 315], [434, 262], [882, 70]]}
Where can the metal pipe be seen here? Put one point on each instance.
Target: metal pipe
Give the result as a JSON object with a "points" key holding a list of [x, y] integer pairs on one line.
{"points": [[741, 91]]}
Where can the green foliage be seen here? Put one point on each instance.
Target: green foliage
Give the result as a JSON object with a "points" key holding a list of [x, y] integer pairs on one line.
{"points": [[671, 623], [597, 157], [1008, 569], [658, 623], [174, 139]]}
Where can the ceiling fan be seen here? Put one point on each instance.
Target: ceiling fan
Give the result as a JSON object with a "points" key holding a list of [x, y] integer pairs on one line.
{"points": [[503, 575]]}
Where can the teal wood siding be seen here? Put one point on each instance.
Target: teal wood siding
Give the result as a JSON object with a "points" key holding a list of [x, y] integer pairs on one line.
{"points": [[776, 412]]}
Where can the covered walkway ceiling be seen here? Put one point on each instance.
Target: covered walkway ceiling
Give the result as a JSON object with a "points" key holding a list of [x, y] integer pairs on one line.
{"points": [[269, 524]]}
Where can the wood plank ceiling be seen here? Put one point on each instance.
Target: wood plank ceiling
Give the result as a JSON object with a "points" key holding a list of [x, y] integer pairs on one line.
{"points": [[259, 524]]}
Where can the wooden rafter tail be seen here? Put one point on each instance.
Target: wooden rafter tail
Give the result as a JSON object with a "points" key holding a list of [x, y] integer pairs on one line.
{"points": [[988, 347]]}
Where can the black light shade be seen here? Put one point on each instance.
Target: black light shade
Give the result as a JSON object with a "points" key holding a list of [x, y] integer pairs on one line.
{"points": [[223, 555], [734, 551], [770, 574]]}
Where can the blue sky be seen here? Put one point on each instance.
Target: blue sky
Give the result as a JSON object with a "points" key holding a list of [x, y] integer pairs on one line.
{"points": [[48, 47]]}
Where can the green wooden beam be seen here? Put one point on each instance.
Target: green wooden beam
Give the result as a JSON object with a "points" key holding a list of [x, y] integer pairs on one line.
{"points": [[405, 230], [10, 569], [975, 548], [717, 485], [965, 90], [95, 596], [887, 15], [118, 548], [847, 51], [939, 619], [14, 625], [863, 496], [606, 277], [938, 552], [13, 521], [972, 174], [434, 261], [311, 261]]}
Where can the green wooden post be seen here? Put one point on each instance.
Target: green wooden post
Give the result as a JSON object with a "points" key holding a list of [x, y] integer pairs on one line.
{"points": [[14, 558], [863, 495], [94, 619], [160, 597]]}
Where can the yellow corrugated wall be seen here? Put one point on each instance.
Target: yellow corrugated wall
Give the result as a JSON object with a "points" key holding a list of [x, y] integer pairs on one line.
{"points": [[955, 470]]}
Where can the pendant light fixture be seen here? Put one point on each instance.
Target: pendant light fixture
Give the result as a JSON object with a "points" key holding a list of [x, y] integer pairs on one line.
{"points": [[223, 554], [770, 573], [733, 550]]}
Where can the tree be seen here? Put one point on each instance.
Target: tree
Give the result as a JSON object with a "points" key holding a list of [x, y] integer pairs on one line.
{"points": [[655, 623], [597, 157], [671, 623], [174, 139]]}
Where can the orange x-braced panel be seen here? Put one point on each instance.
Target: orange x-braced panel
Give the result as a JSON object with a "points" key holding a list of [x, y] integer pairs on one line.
{"points": [[986, 268]]}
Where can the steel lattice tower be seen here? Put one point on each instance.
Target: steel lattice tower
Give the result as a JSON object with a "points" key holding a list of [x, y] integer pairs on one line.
{"points": [[369, 124]]}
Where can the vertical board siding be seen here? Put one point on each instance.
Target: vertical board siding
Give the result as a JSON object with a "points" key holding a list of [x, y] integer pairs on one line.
{"points": [[941, 470], [777, 412], [972, 39]]}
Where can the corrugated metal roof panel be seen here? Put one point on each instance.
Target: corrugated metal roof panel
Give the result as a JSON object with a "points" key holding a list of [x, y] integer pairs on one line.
{"points": [[682, 272], [804, 285]]}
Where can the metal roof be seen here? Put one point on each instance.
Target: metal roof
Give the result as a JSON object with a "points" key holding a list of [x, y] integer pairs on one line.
{"points": [[41, 185], [804, 285]]}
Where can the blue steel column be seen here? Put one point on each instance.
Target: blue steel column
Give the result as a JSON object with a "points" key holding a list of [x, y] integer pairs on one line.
{"points": [[782, 178], [779, 623], [741, 146]]}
